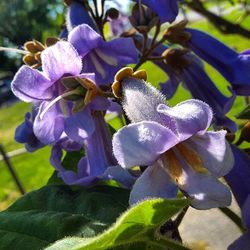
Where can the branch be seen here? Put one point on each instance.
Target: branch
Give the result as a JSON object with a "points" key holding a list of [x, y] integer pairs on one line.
{"points": [[220, 23]]}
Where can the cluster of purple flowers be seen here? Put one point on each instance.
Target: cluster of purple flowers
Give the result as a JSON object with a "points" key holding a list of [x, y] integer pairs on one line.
{"points": [[163, 149]]}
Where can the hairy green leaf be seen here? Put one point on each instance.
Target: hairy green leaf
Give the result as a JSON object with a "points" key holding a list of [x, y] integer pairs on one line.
{"points": [[137, 229], [53, 212]]}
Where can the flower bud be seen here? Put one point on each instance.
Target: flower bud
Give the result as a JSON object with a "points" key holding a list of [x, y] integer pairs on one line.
{"points": [[176, 58], [112, 13], [177, 34], [143, 18], [139, 98]]}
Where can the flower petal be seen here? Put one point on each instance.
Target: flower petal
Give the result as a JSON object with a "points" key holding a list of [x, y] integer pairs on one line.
{"points": [[120, 175], [214, 151], [31, 85], [166, 9], [142, 143], [242, 243], [233, 66], [76, 15], [59, 60], [24, 134], [80, 125], [238, 178], [202, 87], [206, 190], [83, 177], [50, 127], [24, 130], [100, 103], [68, 176], [108, 57], [246, 212], [55, 158], [84, 39], [123, 49], [191, 116], [153, 183], [169, 88]]}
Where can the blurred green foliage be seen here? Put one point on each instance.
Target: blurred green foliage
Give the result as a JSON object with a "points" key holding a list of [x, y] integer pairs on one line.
{"points": [[24, 20]]}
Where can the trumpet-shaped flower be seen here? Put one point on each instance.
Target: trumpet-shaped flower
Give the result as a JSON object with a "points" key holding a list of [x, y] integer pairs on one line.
{"points": [[25, 134], [175, 145], [101, 57], [190, 71], [77, 14], [243, 242], [232, 65], [238, 180], [56, 114], [98, 162]]}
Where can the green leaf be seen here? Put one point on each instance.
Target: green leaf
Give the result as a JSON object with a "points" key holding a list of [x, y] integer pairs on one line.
{"points": [[245, 114], [136, 229], [53, 212]]}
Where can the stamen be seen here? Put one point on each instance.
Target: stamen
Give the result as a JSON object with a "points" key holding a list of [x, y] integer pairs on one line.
{"points": [[173, 166], [98, 66], [192, 158], [14, 50], [106, 58], [57, 99]]}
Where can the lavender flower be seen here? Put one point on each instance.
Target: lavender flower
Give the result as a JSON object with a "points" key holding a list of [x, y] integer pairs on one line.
{"points": [[233, 66], [167, 10], [55, 114], [238, 180], [98, 162], [119, 25], [102, 58], [243, 242], [174, 144], [77, 14], [187, 68], [25, 134]]}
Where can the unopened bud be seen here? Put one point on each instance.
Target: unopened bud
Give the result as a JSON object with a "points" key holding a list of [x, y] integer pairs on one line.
{"points": [[176, 58], [51, 41], [112, 13], [177, 34], [143, 18], [139, 98]]}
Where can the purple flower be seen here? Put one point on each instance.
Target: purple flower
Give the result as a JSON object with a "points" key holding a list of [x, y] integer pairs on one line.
{"points": [[98, 162], [76, 15], [167, 10], [238, 180], [175, 145], [233, 66], [55, 114], [190, 70], [102, 58], [25, 134], [119, 25], [243, 242]]}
